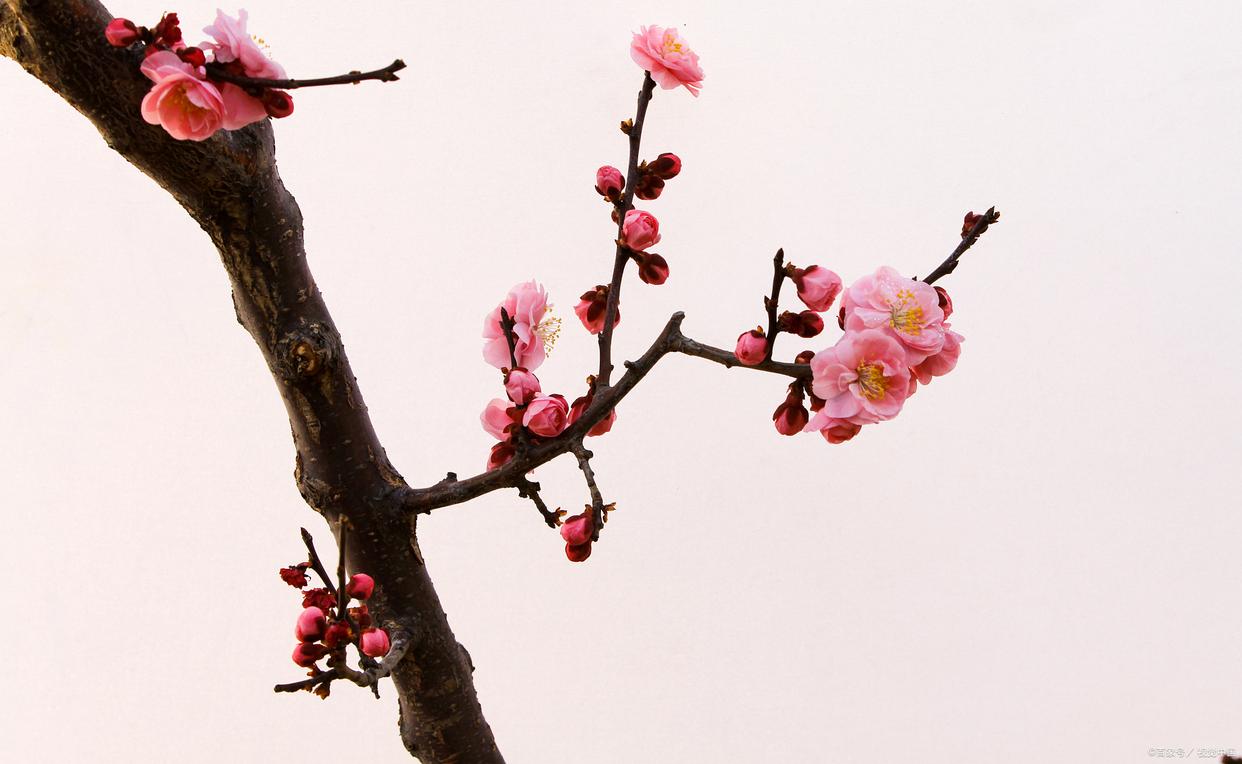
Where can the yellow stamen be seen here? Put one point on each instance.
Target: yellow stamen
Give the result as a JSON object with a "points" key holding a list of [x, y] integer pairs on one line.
{"points": [[548, 331], [670, 42], [906, 316], [871, 381]]}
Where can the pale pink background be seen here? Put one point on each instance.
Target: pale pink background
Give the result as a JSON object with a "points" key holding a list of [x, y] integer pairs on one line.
{"points": [[1037, 561]]}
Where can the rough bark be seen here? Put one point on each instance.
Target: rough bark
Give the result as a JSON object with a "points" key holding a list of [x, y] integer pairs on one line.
{"points": [[230, 186]]}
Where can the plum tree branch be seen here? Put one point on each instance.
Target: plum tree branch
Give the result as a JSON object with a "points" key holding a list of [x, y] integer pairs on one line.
{"points": [[386, 74]]}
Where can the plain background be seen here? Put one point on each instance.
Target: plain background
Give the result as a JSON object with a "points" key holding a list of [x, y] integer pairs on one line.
{"points": [[1037, 561]]}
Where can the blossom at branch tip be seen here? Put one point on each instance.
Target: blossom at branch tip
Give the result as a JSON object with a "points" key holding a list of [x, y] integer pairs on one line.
{"points": [[233, 46], [752, 347], [864, 377], [534, 332], [360, 586], [375, 643], [521, 386], [311, 624], [577, 532], [497, 418], [592, 308], [186, 106], [671, 62], [904, 309], [817, 287], [640, 230], [609, 183], [547, 416]]}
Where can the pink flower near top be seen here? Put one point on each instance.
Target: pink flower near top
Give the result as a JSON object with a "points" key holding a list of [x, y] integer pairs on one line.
{"points": [[526, 304], [671, 62], [904, 309], [186, 106], [641, 230], [863, 378], [547, 416], [231, 42]]}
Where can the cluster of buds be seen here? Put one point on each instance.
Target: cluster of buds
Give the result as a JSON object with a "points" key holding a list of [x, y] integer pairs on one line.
{"points": [[578, 532], [817, 289], [326, 626], [528, 416], [195, 89], [652, 175]]}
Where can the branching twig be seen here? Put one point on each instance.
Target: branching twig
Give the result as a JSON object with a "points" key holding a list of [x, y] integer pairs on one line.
{"points": [[528, 489], [401, 642], [597, 498], [950, 263], [317, 564], [387, 74], [778, 278], [623, 205]]}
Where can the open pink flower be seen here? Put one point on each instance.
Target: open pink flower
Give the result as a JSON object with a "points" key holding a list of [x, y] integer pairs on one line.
{"points": [[547, 415], [817, 287], [863, 378], [188, 107], [905, 309], [670, 61], [527, 305], [833, 430], [592, 309], [232, 44], [497, 417], [641, 230], [943, 362]]}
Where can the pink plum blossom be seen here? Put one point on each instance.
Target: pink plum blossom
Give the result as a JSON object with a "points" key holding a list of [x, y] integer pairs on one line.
{"points": [[943, 362], [501, 454], [360, 586], [817, 287], [752, 347], [375, 643], [121, 33], [527, 305], [577, 532], [833, 430], [640, 230], [521, 386], [609, 182], [905, 309], [231, 42], [311, 625], [547, 416], [670, 61], [186, 106], [863, 378], [580, 406], [592, 309], [497, 417], [791, 416]]}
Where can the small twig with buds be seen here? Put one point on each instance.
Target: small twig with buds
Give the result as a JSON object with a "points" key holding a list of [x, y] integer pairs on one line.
{"points": [[387, 74], [778, 278], [506, 325], [401, 642], [317, 564], [623, 205], [978, 224], [529, 489], [599, 512]]}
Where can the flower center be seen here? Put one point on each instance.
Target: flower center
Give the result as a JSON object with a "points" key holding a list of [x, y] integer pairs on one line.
{"points": [[548, 330], [871, 381], [181, 100], [671, 45], [905, 314]]}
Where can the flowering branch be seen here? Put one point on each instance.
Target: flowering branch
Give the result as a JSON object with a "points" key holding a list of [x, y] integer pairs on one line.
{"points": [[974, 227], [771, 303], [317, 564], [599, 511], [387, 74], [401, 642], [635, 130], [529, 489]]}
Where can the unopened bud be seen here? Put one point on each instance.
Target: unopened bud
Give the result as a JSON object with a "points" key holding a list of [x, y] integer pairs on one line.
{"points": [[609, 183], [652, 268], [752, 347], [306, 653], [121, 33], [375, 643], [311, 625], [360, 586]]}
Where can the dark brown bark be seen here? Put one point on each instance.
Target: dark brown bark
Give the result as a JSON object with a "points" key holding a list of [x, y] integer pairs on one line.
{"points": [[230, 186]]}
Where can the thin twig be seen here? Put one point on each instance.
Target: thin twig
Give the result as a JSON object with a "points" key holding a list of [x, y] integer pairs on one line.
{"points": [[506, 325], [316, 563], [528, 489], [401, 643], [597, 498], [778, 278], [623, 254], [950, 263], [387, 74]]}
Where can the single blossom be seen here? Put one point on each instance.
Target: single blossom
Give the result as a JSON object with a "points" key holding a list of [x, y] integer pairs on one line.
{"points": [[943, 362], [534, 331], [592, 308], [374, 642], [306, 653], [791, 416], [640, 230], [311, 625], [577, 532], [294, 575], [232, 44], [904, 309], [665, 167], [580, 406], [320, 598], [834, 430], [863, 378], [752, 347], [186, 106], [501, 454], [498, 417], [670, 61], [547, 416], [521, 386], [652, 268], [609, 183], [817, 287], [360, 586]]}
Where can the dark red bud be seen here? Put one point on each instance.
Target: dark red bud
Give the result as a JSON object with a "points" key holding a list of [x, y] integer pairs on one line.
{"points": [[306, 653], [648, 187], [337, 634], [168, 31], [791, 416], [804, 357], [652, 268], [192, 56], [946, 304], [294, 575], [666, 166], [579, 552], [277, 103], [968, 223], [121, 33], [817, 403], [811, 324], [361, 616], [841, 318]]}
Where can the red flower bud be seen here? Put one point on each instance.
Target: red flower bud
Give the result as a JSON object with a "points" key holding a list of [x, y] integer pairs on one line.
{"points": [[320, 598], [804, 357], [522, 386], [360, 586], [577, 530], [841, 318], [946, 304], [579, 552], [121, 33], [968, 223], [306, 653], [311, 625], [602, 426], [805, 324], [648, 187], [752, 347], [192, 56], [501, 454], [295, 575], [361, 616], [666, 166], [168, 31], [277, 103], [375, 643], [652, 268], [609, 183], [593, 306], [791, 416], [338, 634]]}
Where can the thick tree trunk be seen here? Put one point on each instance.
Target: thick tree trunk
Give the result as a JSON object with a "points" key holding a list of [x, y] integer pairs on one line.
{"points": [[230, 186]]}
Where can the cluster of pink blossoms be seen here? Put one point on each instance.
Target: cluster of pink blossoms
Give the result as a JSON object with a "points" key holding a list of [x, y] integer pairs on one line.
{"points": [[895, 338], [185, 99], [323, 631], [527, 415]]}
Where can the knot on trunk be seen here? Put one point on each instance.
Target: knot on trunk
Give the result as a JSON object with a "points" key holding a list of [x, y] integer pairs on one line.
{"points": [[308, 351]]}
